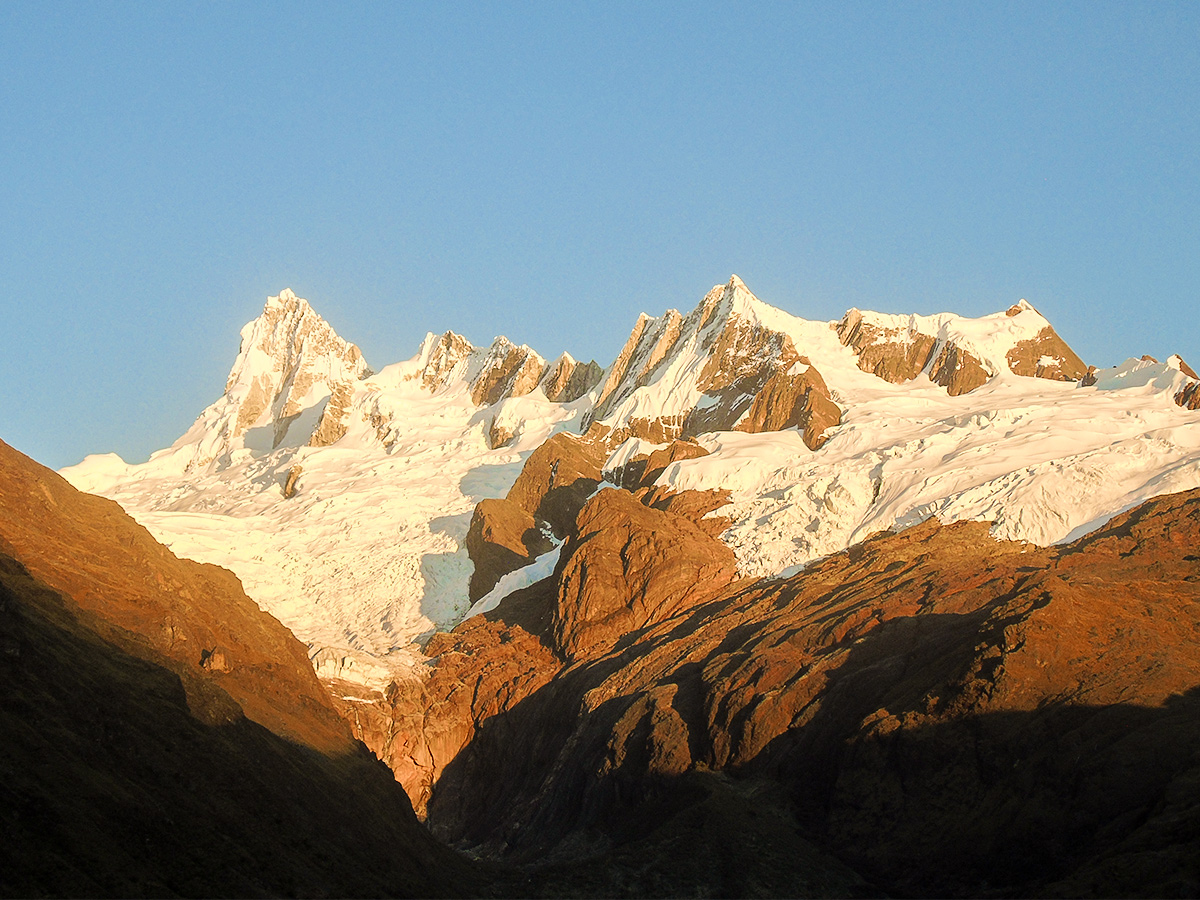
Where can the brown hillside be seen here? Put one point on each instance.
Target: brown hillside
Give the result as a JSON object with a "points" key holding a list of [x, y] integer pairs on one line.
{"points": [[945, 712]]}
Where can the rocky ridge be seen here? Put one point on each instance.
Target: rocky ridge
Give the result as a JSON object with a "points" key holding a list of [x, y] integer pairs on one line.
{"points": [[956, 354], [232, 658], [940, 711], [717, 361]]}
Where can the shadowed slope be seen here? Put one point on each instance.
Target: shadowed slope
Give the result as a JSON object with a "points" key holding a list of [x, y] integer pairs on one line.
{"points": [[128, 766]]}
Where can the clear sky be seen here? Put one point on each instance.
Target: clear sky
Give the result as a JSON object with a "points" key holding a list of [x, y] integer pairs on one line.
{"points": [[548, 171]]}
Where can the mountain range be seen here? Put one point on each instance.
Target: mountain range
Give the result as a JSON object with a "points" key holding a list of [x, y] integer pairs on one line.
{"points": [[889, 605], [343, 497]]}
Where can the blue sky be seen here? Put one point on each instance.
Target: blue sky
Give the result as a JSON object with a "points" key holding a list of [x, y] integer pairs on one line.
{"points": [[548, 171]]}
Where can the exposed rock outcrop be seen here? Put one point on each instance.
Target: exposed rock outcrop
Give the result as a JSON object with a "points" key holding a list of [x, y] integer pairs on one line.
{"points": [[896, 348], [901, 354], [499, 435], [506, 371], [629, 566], [621, 380], [484, 668], [554, 483], [957, 371], [567, 380], [1189, 396], [502, 370], [440, 355], [723, 352], [892, 355], [693, 505], [657, 461], [503, 537], [794, 398], [293, 476], [332, 425], [557, 479], [1046, 356]]}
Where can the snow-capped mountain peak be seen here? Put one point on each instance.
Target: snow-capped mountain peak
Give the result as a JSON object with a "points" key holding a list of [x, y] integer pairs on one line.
{"points": [[438, 357], [289, 363], [679, 376], [958, 353]]}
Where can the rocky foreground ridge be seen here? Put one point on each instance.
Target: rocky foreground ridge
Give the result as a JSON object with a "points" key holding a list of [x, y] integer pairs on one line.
{"points": [[932, 712], [163, 736]]}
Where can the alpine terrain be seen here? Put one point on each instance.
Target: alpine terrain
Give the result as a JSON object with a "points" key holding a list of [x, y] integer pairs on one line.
{"points": [[894, 604]]}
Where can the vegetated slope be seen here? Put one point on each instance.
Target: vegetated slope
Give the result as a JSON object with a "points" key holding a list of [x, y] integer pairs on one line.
{"points": [[163, 736], [344, 500], [943, 712]]}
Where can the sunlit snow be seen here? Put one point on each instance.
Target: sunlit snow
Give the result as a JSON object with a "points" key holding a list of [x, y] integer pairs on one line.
{"points": [[368, 555]]}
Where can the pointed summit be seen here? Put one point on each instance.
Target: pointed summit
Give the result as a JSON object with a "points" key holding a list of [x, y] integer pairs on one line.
{"points": [[679, 376], [290, 360]]}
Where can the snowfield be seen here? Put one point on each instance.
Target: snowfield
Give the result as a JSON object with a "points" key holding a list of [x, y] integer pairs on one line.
{"points": [[367, 556], [1045, 463]]}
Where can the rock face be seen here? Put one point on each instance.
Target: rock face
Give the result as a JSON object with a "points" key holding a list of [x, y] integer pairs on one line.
{"points": [[629, 566], [796, 398], [557, 479], [503, 537], [717, 362], [957, 370], [567, 380], [945, 712], [894, 355], [1189, 396], [502, 370], [692, 505], [1046, 356], [898, 348], [643, 470], [485, 667], [554, 483], [506, 371], [91, 551], [440, 355], [901, 354], [332, 425], [164, 736]]}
